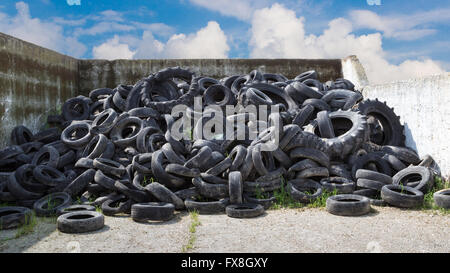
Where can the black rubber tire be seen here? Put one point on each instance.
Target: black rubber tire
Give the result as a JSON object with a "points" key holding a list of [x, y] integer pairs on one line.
{"points": [[5, 195], [116, 134], [181, 170], [153, 211], [212, 93], [237, 154], [340, 184], [209, 207], [163, 194], [310, 74], [96, 147], [303, 165], [367, 193], [396, 164], [78, 141], [381, 164], [220, 167], [304, 115], [318, 104], [104, 180], [173, 157], [79, 184], [346, 142], [371, 175], [201, 158], [74, 208], [100, 93], [213, 179], [84, 163], [13, 217], [214, 191], [391, 194], [47, 136], [24, 176], [369, 184], [21, 135], [49, 176], [68, 109], [405, 154], [244, 210], [392, 129], [313, 172], [298, 190], [168, 180], [310, 153], [324, 125], [17, 191], [47, 155], [265, 202], [104, 122], [108, 166], [80, 222], [124, 206], [142, 139], [41, 206], [338, 205], [136, 196], [236, 187], [442, 198], [422, 174]]}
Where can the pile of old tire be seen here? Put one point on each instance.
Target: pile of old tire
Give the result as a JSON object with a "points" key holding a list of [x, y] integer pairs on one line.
{"points": [[114, 149]]}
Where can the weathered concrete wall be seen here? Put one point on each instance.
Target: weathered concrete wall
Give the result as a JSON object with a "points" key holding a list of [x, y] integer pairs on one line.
{"points": [[103, 73], [33, 80], [423, 106], [353, 71]]}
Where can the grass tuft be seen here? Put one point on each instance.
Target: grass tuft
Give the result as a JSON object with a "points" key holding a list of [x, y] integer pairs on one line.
{"points": [[28, 226], [428, 200], [192, 229]]}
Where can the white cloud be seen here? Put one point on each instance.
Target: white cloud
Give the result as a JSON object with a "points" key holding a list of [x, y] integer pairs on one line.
{"points": [[112, 49], [208, 42], [104, 27], [74, 2], [284, 37], [241, 9], [45, 34], [401, 27]]}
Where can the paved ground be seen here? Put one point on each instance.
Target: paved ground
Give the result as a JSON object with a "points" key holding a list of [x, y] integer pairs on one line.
{"points": [[292, 230]]}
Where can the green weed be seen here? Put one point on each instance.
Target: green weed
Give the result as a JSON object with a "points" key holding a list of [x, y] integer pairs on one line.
{"points": [[192, 229]]}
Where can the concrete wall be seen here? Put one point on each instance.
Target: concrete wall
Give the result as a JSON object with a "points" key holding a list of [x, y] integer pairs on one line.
{"points": [[33, 80], [423, 105], [103, 73]]}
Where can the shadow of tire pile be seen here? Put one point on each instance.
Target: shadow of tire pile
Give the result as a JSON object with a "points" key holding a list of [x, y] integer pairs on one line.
{"points": [[117, 150]]}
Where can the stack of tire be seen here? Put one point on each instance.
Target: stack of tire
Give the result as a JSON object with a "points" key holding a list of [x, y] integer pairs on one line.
{"points": [[114, 149]]}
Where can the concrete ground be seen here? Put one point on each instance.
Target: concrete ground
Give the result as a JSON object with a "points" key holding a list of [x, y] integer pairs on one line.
{"points": [[385, 229]]}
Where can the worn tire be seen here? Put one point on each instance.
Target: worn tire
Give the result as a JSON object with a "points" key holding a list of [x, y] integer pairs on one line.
{"points": [[154, 211], [392, 129], [442, 198], [80, 222], [12, 217], [393, 195], [423, 177], [348, 205], [244, 210], [41, 206]]}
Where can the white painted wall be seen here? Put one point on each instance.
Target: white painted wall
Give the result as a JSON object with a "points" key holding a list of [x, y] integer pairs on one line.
{"points": [[423, 105]]}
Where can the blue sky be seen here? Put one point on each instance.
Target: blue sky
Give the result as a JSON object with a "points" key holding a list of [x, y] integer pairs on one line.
{"points": [[394, 40]]}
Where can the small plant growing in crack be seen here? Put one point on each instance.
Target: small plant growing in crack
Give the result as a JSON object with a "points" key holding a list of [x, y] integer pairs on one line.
{"points": [[192, 230]]}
